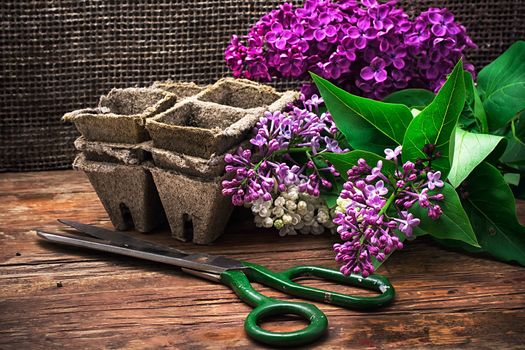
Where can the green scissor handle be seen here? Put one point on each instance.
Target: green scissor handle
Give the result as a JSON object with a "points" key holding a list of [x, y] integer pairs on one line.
{"points": [[264, 306]]}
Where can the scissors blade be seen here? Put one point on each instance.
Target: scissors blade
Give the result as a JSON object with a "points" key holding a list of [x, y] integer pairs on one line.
{"points": [[115, 237], [120, 243]]}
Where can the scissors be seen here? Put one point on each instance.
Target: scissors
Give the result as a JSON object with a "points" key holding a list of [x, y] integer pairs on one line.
{"points": [[237, 275]]}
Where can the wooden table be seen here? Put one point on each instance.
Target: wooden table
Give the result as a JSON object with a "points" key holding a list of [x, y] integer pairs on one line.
{"points": [[56, 297]]}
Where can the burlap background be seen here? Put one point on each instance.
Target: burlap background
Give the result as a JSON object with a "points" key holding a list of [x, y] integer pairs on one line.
{"points": [[57, 56]]}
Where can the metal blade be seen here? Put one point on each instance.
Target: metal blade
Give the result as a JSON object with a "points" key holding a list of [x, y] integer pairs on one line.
{"points": [[121, 239], [198, 261], [115, 237]]}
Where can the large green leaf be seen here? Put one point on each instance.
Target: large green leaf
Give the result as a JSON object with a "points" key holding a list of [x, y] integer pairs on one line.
{"points": [[345, 161], [367, 124], [469, 151], [453, 224], [437, 122], [473, 116], [491, 207], [502, 86], [412, 98], [514, 155]]}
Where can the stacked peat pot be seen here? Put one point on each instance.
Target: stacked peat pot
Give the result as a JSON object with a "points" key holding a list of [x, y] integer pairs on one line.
{"points": [[158, 152]]}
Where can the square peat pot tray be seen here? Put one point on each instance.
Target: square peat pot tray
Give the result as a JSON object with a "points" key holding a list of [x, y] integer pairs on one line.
{"points": [[127, 192], [121, 114], [177, 175], [216, 119]]}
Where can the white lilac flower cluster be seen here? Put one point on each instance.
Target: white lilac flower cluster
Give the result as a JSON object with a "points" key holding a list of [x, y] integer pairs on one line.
{"points": [[293, 211]]}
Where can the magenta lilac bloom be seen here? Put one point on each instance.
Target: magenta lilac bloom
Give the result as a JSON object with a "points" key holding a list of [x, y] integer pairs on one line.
{"points": [[367, 47], [374, 209], [277, 138]]}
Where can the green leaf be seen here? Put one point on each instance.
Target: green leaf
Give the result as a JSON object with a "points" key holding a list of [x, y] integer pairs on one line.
{"points": [[473, 113], [469, 151], [453, 224], [502, 86], [491, 207], [514, 155], [518, 127], [330, 199], [367, 124], [437, 122], [512, 179], [412, 98], [345, 161]]}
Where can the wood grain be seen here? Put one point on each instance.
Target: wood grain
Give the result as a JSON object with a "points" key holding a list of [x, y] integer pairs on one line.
{"points": [[444, 299]]}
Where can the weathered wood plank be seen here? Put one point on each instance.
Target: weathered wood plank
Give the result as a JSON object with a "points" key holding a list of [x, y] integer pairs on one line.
{"points": [[444, 299]]}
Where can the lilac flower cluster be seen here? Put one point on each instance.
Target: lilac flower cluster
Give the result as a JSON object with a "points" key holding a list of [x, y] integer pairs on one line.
{"points": [[278, 138], [368, 48], [372, 206]]}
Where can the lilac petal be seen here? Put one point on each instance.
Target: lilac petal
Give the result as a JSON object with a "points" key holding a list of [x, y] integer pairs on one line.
{"points": [[404, 26], [280, 44], [324, 18], [448, 17], [439, 30], [293, 40], [453, 30], [319, 35], [351, 56], [363, 23], [367, 73], [377, 63], [388, 25], [296, 71], [298, 29], [432, 73], [271, 37], [412, 39], [398, 63], [302, 46], [330, 31], [287, 34], [370, 33], [384, 45], [353, 33], [378, 25], [314, 23], [310, 5], [308, 34], [381, 75], [360, 43], [424, 35], [383, 11], [277, 27], [435, 17]]}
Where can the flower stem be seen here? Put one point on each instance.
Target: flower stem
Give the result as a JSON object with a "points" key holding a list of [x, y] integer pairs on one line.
{"points": [[292, 150], [387, 204]]}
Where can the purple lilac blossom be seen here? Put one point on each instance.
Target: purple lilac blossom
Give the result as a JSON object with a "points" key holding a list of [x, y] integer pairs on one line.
{"points": [[277, 137], [367, 224], [367, 47]]}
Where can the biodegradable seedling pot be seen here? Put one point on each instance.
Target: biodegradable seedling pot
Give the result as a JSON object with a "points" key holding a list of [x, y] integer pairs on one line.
{"points": [[121, 115], [196, 209], [127, 192], [206, 168], [215, 120], [240, 93], [124, 153], [188, 165], [180, 89]]}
